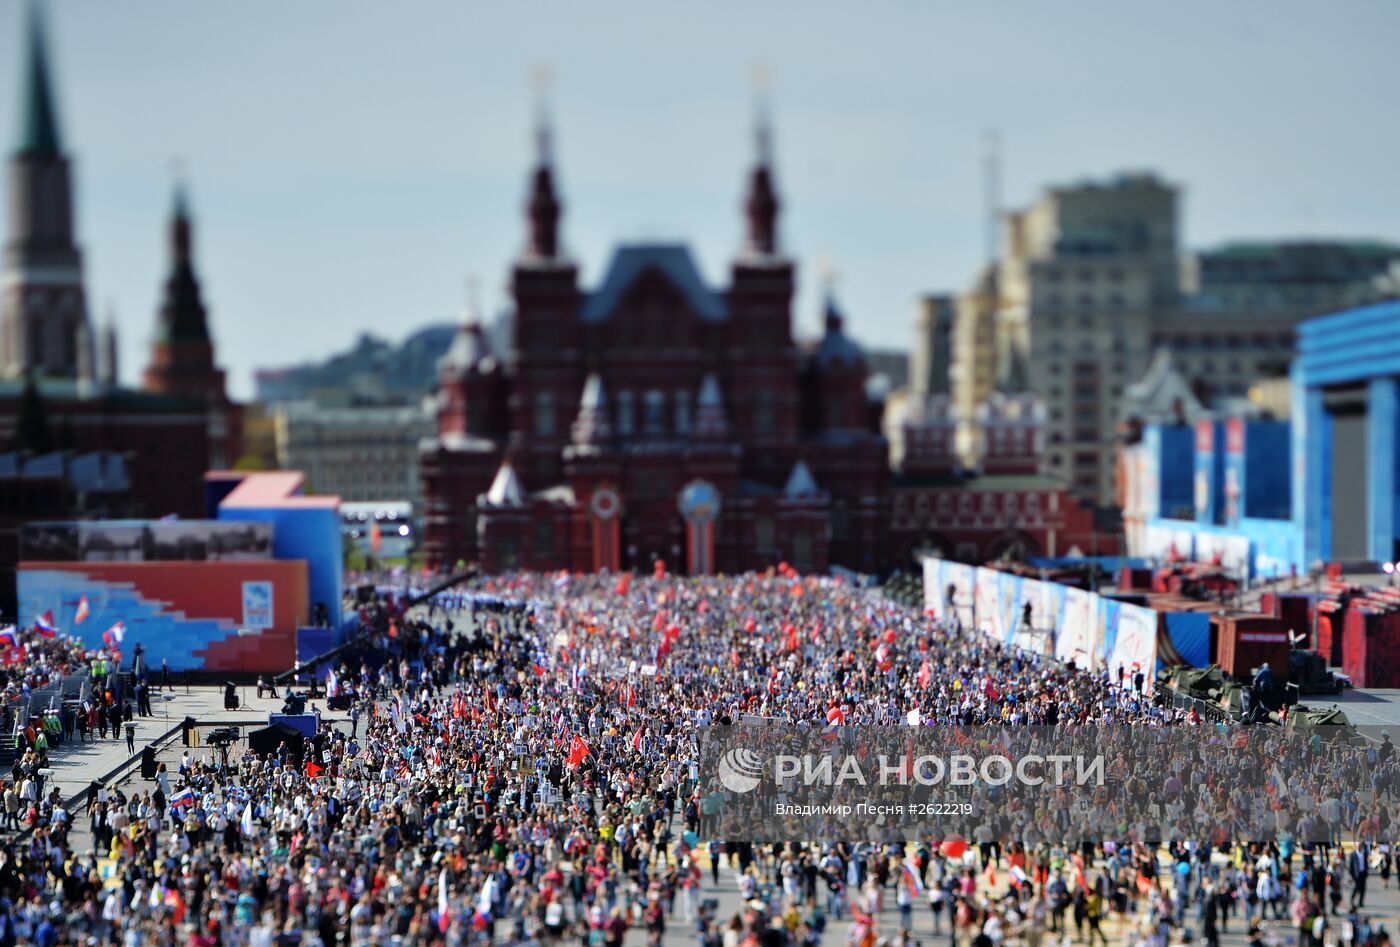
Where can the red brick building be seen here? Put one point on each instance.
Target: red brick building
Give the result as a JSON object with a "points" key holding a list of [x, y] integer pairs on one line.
{"points": [[182, 354], [1005, 509], [59, 387], [655, 416]]}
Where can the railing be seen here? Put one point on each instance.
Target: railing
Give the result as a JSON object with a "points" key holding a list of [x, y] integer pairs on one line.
{"points": [[45, 700]]}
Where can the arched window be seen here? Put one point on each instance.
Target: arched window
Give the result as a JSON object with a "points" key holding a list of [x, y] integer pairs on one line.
{"points": [[544, 536], [624, 412], [763, 536], [682, 401], [654, 416], [765, 411], [841, 519], [544, 414], [802, 552]]}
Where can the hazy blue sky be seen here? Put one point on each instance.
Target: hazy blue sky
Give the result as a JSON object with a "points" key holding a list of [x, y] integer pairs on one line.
{"points": [[352, 161]]}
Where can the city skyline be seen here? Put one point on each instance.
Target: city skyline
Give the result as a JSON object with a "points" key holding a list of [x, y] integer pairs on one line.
{"points": [[410, 179]]}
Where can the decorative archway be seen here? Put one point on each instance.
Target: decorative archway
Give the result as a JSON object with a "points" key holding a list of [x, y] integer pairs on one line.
{"points": [[699, 504], [930, 543], [604, 514], [1014, 545]]}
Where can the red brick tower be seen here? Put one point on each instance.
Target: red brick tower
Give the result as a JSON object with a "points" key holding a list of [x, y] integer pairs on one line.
{"points": [[182, 356]]}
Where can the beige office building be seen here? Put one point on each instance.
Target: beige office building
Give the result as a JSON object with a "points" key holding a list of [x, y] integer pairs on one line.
{"points": [[360, 454]]}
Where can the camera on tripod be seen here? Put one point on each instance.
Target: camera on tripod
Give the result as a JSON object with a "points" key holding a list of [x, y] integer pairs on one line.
{"points": [[222, 736]]}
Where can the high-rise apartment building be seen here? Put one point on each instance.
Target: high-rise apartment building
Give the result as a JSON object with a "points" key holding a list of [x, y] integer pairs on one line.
{"points": [[1085, 271], [973, 370]]}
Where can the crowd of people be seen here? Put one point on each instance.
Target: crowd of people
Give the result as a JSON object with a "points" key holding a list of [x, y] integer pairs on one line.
{"points": [[535, 773]]}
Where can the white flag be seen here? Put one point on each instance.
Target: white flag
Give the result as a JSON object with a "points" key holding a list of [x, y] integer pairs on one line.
{"points": [[488, 896]]}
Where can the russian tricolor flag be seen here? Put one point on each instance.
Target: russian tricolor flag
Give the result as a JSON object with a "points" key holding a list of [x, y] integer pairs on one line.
{"points": [[45, 624], [113, 636], [185, 797], [912, 881]]}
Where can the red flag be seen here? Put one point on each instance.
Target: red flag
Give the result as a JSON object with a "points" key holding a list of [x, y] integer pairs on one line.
{"points": [[578, 752], [791, 637], [539, 670], [631, 696], [312, 770], [624, 583], [991, 692], [925, 675], [83, 610], [637, 740]]}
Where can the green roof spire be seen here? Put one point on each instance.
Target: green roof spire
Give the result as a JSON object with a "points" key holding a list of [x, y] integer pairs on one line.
{"points": [[39, 119]]}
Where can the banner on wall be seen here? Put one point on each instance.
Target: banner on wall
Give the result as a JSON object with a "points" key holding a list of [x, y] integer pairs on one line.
{"points": [[988, 604], [1234, 555], [257, 605], [960, 580], [1078, 632], [1183, 544], [933, 587], [950, 589], [1134, 646], [1043, 617], [1009, 604], [145, 541]]}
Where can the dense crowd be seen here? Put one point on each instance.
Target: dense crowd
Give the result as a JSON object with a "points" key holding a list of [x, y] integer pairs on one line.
{"points": [[533, 775]]}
